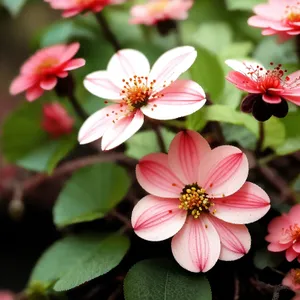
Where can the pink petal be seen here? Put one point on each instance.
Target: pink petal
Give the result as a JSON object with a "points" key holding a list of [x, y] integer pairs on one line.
{"points": [[100, 84], [125, 64], [245, 67], [271, 98], [294, 99], [290, 254], [69, 51], [276, 247], [181, 98], [294, 213], [247, 205], [223, 171], [184, 155], [122, 130], [243, 82], [48, 83], [155, 177], [62, 74], [21, 84], [157, 219], [68, 13], [269, 11], [196, 247], [296, 247], [268, 31], [235, 239], [171, 65], [74, 64], [33, 93], [98, 123]]}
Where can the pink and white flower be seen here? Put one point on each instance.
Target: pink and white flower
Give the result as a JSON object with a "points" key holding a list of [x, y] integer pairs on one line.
{"points": [[74, 7], [292, 280], [136, 91], [277, 17], [201, 197], [40, 71], [56, 120], [284, 234], [160, 10], [268, 89]]}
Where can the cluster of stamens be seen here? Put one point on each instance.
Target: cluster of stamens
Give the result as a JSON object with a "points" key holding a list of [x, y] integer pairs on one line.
{"points": [[292, 13], [195, 200], [46, 64], [293, 231], [155, 7], [296, 276]]}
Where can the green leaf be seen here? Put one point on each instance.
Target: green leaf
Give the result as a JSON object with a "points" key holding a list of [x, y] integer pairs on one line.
{"points": [[208, 72], [26, 144], [242, 5], [13, 6], [91, 193], [158, 279], [231, 96], [274, 133], [264, 258], [75, 260], [238, 50], [145, 142]]}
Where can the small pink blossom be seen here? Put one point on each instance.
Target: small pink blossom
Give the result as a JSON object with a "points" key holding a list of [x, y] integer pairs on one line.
{"points": [[74, 7], [268, 89], [6, 295], [284, 234], [41, 70], [201, 197], [56, 120], [292, 280], [277, 17], [160, 10], [136, 91]]}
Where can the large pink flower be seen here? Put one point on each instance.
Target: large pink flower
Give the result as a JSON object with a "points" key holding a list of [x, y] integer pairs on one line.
{"points": [[159, 10], [135, 91], [268, 89], [292, 280], [284, 234], [74, 7], [200, 197], [280, 17], [41, 70]]}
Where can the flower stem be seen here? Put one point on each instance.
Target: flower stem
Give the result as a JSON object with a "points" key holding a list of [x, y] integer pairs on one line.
{"points": [[77, 107], [160, 139], [261, 138], [178, 34], [109, 35]]}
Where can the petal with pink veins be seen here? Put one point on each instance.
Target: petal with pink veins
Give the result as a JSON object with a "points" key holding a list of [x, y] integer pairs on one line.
{"points": [[171, 65], [292, 98], [180, 99], [185, 153], [125, 64], [235, 239], [196, 247], [157, 219], [22, 83], [243, 82], [122, 130], [74, 64], [34, 92], [155, 177], [272, 99], [99, 83], [48, 83], [223, 171], [247, 205]]}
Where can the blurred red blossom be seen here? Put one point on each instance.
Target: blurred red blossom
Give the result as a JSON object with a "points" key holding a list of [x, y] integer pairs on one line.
{"points": [[292, 280], [6, 295]]}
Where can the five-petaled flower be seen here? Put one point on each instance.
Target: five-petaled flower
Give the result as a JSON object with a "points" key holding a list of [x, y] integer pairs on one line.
{"points": [[292, 280], [74, 7], [278, 17], [268, 89], [136, 91], [160, 10], [56, 120], [201, 197], [41, 70], [284, 234]]}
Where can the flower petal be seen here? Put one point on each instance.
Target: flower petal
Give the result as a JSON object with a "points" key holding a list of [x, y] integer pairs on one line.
{"points": [[243, 82], [22, 83], [276, 247], [291, 254], [196, 247], [171, 65], [235, 239], [155, 177], [122, 130], [74, 64], [223, 171], [100, 84], [181, 98], [34, 92], [271, 98], [247, 205], [48, 83], [69, 51], [184, 155], [246, 67], [126, 63], [157, 219]]}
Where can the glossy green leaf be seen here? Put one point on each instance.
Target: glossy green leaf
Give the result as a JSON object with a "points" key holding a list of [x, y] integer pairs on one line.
{"points": [[91, 193], [75, 260], [13, 6], [158, 279], [264, 258], [242, 5]]}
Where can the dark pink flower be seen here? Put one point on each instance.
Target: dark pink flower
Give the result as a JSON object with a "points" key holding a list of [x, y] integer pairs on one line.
{"points": [[292, 280], [41, 70], [74, 7], [56, 120], [6, 295], [201, 197], [268, 89], [277, 17], [284, 234]]}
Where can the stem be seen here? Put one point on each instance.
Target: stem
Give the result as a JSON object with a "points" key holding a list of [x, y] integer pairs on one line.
{"points": [[109, 35], [121, 218], [261, 138], [160, 139], [178, 34], [77, 107]]}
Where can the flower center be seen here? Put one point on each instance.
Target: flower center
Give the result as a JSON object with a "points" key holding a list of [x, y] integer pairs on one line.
{"points": [[47, 63], [85, 2], [157, 6], [291, 233], [292, 13], [296, 276], [194, 200]]}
